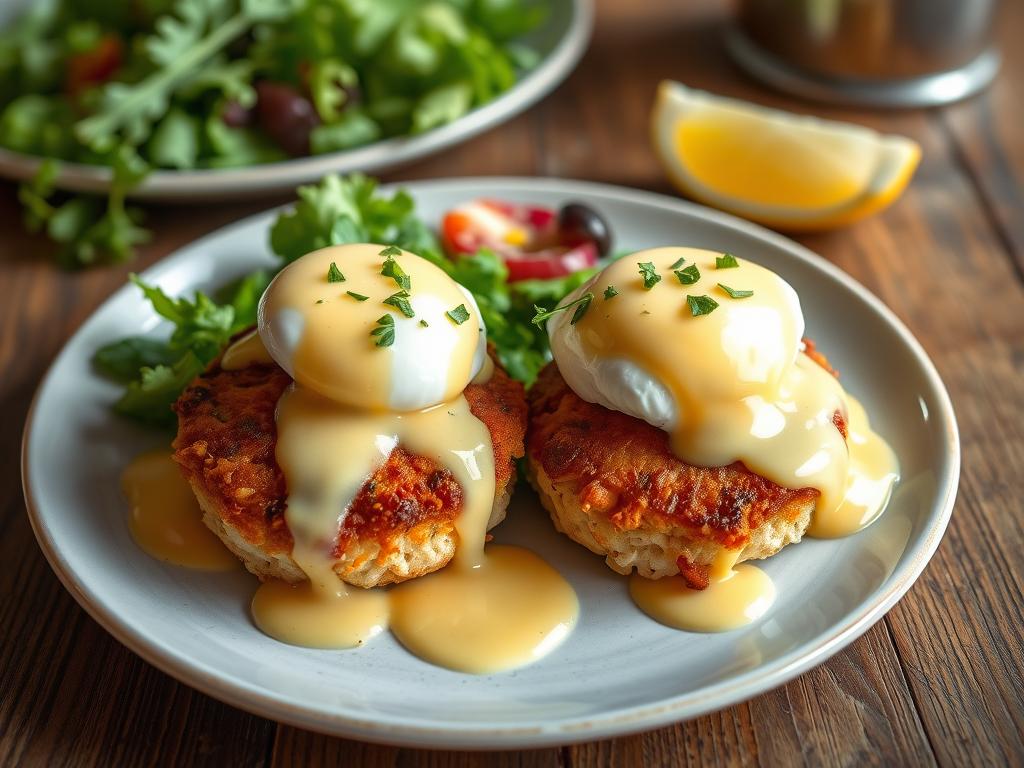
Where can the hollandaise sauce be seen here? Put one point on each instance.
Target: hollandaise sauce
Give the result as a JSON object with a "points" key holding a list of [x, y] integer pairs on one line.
{"points": [[718, 342], [735, 596], [381, 345], [165, 518]]}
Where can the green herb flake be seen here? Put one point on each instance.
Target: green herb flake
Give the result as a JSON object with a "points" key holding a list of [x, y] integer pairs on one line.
{"points": [[688, 276], [581, 309], [391, 251], [334, 274], [735, 294], [319, 301], [701, 305], [609, 292], [394, 270], [582, 304], [726, 261], [400, 301], [649, 274], [424, 323], [385, 331], [459, 315], [357, 296], [678, 263]]}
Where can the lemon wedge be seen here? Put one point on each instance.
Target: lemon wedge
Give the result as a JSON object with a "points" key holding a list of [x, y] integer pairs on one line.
{"points": [[777, 168]]}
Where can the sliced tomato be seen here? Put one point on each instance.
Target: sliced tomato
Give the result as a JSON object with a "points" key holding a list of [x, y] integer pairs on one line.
{"points": [[525, 236], [551, 262]]}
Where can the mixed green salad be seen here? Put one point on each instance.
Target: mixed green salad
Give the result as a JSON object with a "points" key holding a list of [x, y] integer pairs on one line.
{"points": [[183, 84], [342, 210]]}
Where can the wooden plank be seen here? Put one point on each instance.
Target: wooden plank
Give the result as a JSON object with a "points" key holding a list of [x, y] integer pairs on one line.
{"points": [[862, 689], [986, 131], [295, 747]]}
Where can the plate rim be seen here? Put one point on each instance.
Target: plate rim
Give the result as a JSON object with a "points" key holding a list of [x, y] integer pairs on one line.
{"points": [[250, 181], [573, 730]]}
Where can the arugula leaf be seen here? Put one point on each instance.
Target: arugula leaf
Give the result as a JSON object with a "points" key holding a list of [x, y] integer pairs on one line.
{"points": [[331, 83], [150, 398], [181, 45], [175, 140], [155, 371], [38, 125], [200, 326], [347, 209], [244, 295], [86, 233], [441, 105], [352, 129], [121, 360]]}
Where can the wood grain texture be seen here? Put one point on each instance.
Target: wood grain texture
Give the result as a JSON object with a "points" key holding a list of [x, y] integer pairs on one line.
{"points": [[940, 680], [986, 133]]}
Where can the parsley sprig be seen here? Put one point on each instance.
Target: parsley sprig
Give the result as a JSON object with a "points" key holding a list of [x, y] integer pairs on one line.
{"points": [[400, 301], [582, 304], [459, 315], [701, 305], [334, 274], [734, 293], [384, 332], [394, 270], [649, 274], [689, 275]]}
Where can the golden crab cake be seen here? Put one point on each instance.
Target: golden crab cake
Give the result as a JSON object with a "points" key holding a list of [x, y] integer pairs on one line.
{"points": [[400, 525], [612, 483]]}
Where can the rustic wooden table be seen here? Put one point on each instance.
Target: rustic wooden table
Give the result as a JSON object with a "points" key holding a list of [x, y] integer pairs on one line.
{"points": [[939, 680]]}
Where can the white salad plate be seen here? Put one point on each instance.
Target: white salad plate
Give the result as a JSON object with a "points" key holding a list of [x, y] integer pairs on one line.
{"points": [[619, 671], [560, 42]]}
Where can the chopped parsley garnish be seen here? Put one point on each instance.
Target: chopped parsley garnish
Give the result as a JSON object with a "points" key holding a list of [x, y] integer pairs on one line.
{"points": [[424, 323], [734, 294], [385, 331], [391, 251], [609, 292], [357, 296], [688, 276], [400, 301], [334, 274], [582, 304], [701, 305], [649, 274], [678, 263], [459, 315], [394, 270], [726, 261]]}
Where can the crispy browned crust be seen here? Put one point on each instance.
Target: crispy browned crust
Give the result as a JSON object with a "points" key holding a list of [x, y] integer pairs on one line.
{"points": [[623, 470], [225, 446]]}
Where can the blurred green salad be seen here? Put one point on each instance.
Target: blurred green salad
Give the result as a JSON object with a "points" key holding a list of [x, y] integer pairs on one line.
{"points": [[182, 84]]}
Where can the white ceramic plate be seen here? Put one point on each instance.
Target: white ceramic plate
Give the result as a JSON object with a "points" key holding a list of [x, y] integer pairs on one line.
{"points": [[620, 671], [561, 42]]}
